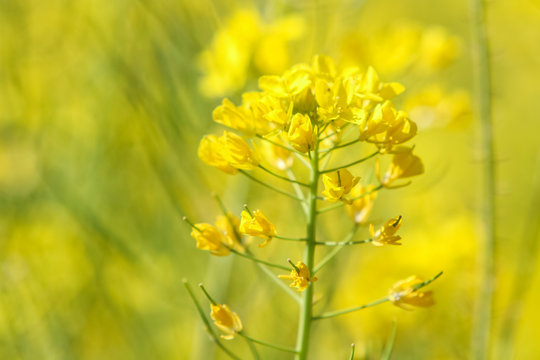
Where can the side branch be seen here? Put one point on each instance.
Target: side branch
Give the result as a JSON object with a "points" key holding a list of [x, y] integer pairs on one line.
{"points": [[251, 177], [351, 164], [283, 177], [374, 303]]}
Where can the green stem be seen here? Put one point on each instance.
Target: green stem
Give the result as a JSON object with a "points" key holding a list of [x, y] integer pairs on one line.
{"points": [[481, 334], [283, 177], [351, 164], [350, 310], [335, 251], [298, 191], [277, 347], [387, 354], [343, 243], [269, 186], [337, 206], [288, 238], [252, 258], [206, 322], [351, 357], [306, 307], [376, 302]]}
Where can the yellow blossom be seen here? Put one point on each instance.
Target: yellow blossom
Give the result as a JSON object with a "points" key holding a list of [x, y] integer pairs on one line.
{"points": [[404, 293], [388, 127], [257, 224], [359, 209], [437, 48], [300, 276], [301, 134], [338, 184], [210, 151], [292, 83], [210, 238], [237, 152], [435, 107], [226, 320], [386, 234], [238, 118], [404, 165]]}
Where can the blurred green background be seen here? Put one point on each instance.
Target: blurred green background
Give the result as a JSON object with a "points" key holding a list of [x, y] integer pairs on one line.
{"points": [[102, 106]]}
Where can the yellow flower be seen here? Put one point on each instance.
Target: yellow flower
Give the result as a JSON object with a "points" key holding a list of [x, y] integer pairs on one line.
{"points": [[226, 320], [257, 225], [210, 151], [360, 208], [404, 293], [388, 127], [437, 48], [300, 277], [301, 134], [404, 165], [292, 83], [210, 238], [238, 118], [370, 87], [237, 152], [338, 184], [385, 234]]}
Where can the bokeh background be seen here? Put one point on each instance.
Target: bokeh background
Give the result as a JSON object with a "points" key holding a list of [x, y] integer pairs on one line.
{"points": [[102, 106]]}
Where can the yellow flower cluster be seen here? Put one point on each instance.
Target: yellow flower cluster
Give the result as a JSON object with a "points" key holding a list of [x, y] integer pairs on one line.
{"points": [[300, 107], [246, 42]]}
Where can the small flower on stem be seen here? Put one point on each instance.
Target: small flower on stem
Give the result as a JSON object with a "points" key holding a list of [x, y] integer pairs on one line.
{"points": [[338, 184], [211, 238], [301, 134], [405, 292], [300, 276], [256, 224], [404, 165], [226, 320], [385, 234]]}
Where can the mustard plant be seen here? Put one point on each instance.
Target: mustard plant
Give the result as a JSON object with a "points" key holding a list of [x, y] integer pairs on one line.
{"points": [[305, 116]]}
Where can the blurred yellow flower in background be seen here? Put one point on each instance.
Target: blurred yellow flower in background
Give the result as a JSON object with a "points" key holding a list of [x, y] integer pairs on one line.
{"points": [[210, 238], [246, 43], [405, 292]]}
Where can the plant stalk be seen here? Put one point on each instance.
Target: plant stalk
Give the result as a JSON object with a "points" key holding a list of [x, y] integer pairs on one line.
{"points": [[481, 335], [306, 307]]}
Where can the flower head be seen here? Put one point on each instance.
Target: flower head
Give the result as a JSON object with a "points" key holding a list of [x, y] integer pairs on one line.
{"points": [[385, 234], [226, 320], [300, 276], [237, 152], [256, 224], [405, 292], [404, 165], [210, 152], [210, 238], [338, 184], [301, 134], [360, 208]]}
